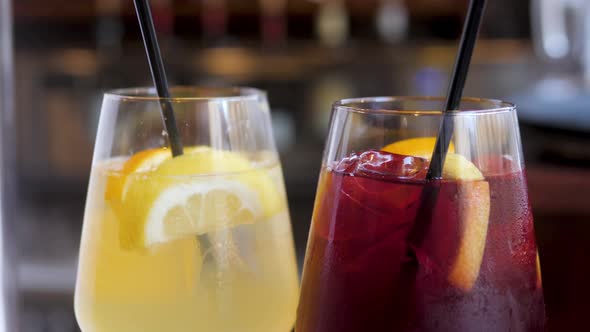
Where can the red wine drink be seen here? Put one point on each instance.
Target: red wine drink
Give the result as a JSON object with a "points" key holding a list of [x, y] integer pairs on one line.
{"points": [[390, 251]]}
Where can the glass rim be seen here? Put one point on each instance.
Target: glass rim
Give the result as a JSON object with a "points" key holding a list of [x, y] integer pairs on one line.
{"points": [[346, 105], [229, 93]]}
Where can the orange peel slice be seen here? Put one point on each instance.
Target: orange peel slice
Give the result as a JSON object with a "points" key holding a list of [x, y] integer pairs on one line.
{"points": [[473, 209]]}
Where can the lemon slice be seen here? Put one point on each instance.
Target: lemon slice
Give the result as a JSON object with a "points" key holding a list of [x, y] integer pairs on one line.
{"points": [[234, 166], [198, 208], [143, 161], [199, 192], [473, 207]]}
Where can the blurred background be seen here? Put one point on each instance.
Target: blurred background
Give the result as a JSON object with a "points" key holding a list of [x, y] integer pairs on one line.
{"points": [[306, 54]]}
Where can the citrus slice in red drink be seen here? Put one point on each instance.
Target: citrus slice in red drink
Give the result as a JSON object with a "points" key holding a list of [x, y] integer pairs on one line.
{"points": [[473, 207]]}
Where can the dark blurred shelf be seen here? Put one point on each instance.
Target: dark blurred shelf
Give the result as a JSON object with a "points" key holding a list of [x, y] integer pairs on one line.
{"points": [[59, 9]]}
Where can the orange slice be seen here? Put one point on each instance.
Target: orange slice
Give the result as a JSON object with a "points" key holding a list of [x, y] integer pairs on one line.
{"points": [[473, 209], [418, 147], [474, 212], [143, 161]]}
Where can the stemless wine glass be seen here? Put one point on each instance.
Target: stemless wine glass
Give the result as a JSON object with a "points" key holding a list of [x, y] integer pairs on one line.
{"points": [[196, 242], [391, 251]]}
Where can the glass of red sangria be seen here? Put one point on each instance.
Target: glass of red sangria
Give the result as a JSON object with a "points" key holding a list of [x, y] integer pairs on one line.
{"points": [[389, 250]]}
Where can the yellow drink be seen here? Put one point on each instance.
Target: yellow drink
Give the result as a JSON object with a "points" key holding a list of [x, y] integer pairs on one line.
{"points": [[241, 276]]}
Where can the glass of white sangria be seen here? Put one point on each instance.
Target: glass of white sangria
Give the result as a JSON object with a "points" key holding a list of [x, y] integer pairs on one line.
{"points": [[197, 242]]}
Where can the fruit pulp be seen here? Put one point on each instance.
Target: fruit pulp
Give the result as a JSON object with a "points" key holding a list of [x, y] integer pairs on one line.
{"points": [[377, 262], [243, 277]]}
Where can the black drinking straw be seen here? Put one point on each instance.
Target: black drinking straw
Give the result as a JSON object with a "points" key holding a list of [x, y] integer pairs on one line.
{"points": [[468, 39], [152, 49], [430, 193]]}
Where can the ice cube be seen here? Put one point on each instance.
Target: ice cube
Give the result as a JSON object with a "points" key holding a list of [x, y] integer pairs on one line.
{"points": [[384, 165], [348, 165]]}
